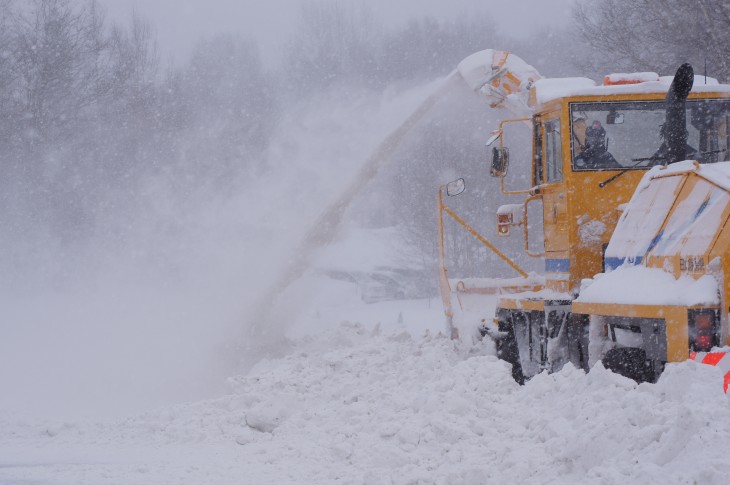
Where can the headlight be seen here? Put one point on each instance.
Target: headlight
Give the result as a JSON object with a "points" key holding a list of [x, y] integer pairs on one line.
{"points": [[703, 329]]}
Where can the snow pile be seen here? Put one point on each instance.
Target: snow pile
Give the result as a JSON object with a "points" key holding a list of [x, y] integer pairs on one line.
{"points": [[639, 285], [550, 89], [363, 407], [148, 311], [630, 77]]}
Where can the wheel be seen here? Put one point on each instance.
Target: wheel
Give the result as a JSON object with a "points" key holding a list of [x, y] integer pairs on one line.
{"points": [[507, 350], [629, 362]]}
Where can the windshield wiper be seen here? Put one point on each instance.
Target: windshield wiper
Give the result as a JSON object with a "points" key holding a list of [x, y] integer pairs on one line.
{"points": [[637, 160], [664, 161]]}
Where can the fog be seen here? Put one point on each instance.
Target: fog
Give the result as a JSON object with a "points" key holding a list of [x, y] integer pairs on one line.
{"points": [[156, 304], [158, 212], [179, 23]]}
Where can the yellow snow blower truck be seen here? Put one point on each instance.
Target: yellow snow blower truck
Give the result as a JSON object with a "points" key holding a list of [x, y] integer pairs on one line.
{"points": [[632, 185]]}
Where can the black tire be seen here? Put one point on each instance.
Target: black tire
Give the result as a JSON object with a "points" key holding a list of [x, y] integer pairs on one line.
{"points": [[507, 350], [629, 362]]}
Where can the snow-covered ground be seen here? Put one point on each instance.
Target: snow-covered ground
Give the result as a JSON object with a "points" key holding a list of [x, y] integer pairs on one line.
{"points": [[396, 403], [363, 393]]}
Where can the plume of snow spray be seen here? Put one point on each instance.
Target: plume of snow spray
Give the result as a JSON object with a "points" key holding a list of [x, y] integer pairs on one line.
{"points": [[264, 336]]}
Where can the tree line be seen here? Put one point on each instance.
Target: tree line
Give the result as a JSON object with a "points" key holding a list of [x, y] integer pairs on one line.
{"points": [[655, 35], [90, 108]]}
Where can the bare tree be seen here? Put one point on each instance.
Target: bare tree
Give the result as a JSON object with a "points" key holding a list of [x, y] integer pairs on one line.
{"points": [[227, 105], [426, 47], [133, 58], [57, 52], [655, 35], [333, 44], [74, 95]]}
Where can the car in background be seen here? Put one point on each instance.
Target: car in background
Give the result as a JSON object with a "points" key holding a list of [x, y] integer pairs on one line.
{"points": [[386, 283]]}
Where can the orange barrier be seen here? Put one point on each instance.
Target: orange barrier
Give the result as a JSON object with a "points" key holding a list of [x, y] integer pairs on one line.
{"points": [[718, 359]]}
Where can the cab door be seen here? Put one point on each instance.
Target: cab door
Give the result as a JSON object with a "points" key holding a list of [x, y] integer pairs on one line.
{"points": [[555, 207]]}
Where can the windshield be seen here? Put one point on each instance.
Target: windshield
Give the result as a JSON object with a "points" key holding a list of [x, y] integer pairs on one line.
{"points": [[628, 135]]}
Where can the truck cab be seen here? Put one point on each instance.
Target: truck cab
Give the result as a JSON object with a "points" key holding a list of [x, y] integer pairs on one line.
{"points": [[592, 146]]}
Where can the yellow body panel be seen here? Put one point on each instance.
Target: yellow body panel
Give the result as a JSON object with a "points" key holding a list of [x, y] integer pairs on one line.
{"points": [[578, 200], [682, 261], [518, 303], [674, 316], [582, 199]]}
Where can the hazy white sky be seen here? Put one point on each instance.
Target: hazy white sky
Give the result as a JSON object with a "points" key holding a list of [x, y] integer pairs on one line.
{"points": [[180, 23]]}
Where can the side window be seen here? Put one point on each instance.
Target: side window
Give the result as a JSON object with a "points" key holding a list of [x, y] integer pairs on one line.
{"points": [[537, 156], [553, 151], [720, 144]]}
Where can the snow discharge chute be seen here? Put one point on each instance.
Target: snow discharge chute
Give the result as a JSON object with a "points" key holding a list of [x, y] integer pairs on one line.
{"points": [[502, 78]]}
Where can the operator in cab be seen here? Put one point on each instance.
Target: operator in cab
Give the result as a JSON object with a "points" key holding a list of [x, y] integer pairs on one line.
{"points": [[595, 154]]}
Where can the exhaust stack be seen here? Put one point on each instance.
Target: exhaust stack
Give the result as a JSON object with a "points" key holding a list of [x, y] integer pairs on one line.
{"points": [[675, 125]]}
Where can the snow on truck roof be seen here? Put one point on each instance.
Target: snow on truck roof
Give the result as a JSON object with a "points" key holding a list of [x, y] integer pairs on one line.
{"points": [[506, 80], [546, 90]]}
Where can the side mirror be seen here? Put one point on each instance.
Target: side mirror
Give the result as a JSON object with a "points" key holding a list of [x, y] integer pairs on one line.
{"points": [[500, 162], [495, 136], [614, 118], [455, 188]]}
